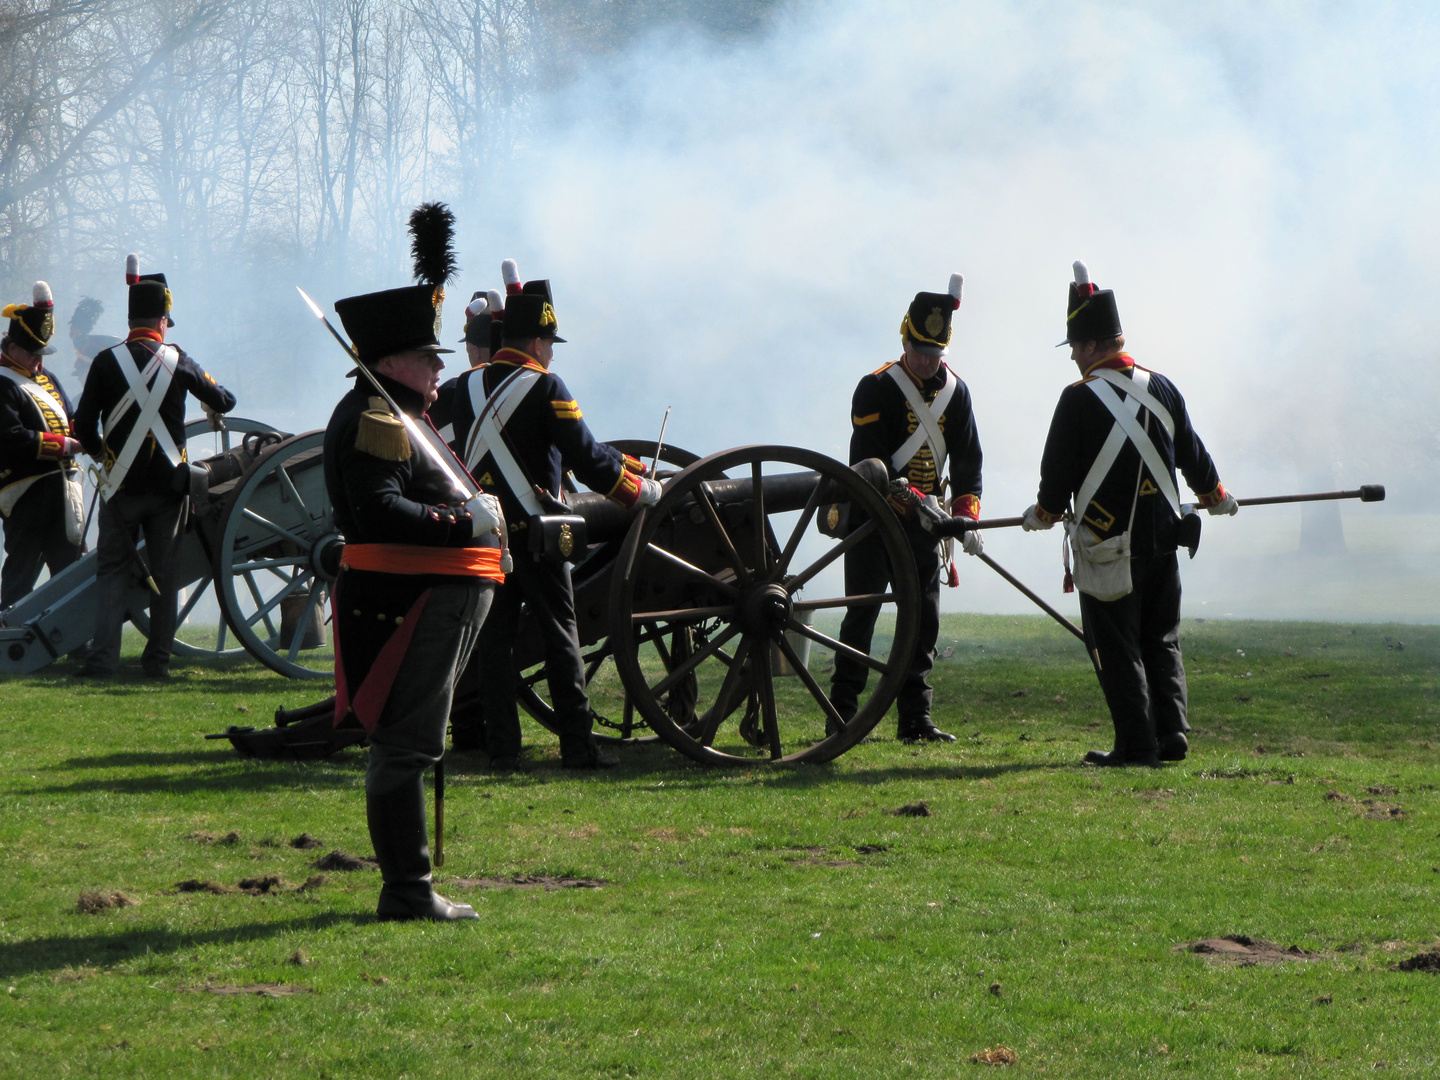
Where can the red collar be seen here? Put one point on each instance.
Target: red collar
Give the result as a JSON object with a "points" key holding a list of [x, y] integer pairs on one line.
{"points": [[1123, 362], [144, 333], [516, 358]]}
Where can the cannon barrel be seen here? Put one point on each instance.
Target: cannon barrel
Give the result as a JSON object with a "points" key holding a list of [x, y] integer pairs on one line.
{"points": [[606, 521]]}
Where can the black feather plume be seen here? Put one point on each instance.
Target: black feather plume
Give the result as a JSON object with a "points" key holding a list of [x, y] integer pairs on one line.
{"points": [[87, 314], [432, 243]]}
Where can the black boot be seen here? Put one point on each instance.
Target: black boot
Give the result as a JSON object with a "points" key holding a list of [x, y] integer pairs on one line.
{"points": [[1128, 750], [397, 829], [577, 753], [922, 730], [1173, 747]]}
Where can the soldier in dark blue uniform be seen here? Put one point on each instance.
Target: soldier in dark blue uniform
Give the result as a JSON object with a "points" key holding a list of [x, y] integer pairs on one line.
{"points": [[421, 560], [483, 322], [913, 414], [38, 479], [132, 419], [542, 434], [1093, 469], [88, 344]]}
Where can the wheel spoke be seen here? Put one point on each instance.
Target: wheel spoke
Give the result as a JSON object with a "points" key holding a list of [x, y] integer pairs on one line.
{"points": [[693, 570], [802, 672], [795, 537], [269, 605], [268, 564], [728, 697], [702, 496], [860, 600], [685, 615], [839, 647], [310, 526], [278, 530], [194, 599], [693, 661], [757, 498], [256, 596], [765, 683], [797, 582], [297, 636], [220, 635]]}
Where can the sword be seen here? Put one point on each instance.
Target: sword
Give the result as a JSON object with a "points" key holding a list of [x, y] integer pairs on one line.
{"points": [[660, 442]]}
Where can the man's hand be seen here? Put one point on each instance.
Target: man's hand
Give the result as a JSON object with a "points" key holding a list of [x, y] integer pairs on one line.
{"points": [[72, 447], [485, 514], [650, 492], [1033, 521], [905, 498], [972, 541], [1227, 506]]}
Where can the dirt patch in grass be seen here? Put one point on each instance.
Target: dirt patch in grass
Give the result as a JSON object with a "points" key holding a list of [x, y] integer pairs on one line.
{"points": [[1425, 961], [340, 860], [871, 849], [75, 974], [1243, 950], [914, 809], [305, 842], [260, 886], [995, 1055], [313, 882], [214, 888], [548, 882], [230, 839], [270, 990], [1369, 808], [96, 901]]}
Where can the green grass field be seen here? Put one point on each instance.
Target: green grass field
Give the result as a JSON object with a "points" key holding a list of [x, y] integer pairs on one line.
{"points": [[763, 922]]}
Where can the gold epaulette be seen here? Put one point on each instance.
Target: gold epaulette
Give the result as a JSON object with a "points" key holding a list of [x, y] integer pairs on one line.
{"points": [[381, 433]]}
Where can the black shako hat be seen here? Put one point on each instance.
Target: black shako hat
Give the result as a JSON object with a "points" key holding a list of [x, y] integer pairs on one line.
{"points": [[485, 320], [928, 320], [391, 321], [32, 325], [531, 314], [150, 296], [1090, 313]]}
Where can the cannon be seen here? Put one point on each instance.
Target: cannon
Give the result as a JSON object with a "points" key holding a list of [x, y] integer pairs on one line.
{"points": [[693, 617], [259, 548]]}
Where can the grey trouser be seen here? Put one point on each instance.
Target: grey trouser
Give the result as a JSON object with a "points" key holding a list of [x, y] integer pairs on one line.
{"points": [[157, 517], [410, 736]]}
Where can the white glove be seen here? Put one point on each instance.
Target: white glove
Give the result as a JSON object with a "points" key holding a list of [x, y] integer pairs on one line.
{"points": [[1033, 522], [650, 492], [485, 513], [972, 541], [1227, 506]]}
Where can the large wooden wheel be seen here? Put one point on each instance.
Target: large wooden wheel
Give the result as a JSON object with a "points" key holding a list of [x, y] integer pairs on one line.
{"points": [[706, 608], [276, 558], [615, 718]]}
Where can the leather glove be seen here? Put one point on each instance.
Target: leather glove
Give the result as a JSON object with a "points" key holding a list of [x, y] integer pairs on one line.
{"points": [[972, 541], [1227, 506], [1033, 522], [485, 514], [650, 492]]}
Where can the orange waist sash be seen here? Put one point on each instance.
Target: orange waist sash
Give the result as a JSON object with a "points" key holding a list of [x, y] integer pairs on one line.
{"points": [[482, 562]]}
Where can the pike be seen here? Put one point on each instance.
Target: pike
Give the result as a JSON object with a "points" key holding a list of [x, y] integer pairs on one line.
{"points": [[660, 442]]}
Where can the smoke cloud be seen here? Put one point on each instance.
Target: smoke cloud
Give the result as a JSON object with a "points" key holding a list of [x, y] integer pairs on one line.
{"points": [[736, 229]]}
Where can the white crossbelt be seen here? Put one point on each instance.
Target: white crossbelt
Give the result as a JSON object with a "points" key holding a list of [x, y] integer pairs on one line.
{"points": [[486, 436], [1128, 429], [42, 397], [11, 494], [928, 415], [147, 391]]}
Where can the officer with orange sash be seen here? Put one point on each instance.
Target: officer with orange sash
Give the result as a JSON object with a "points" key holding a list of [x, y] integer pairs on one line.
{"points": [[417, 575]]}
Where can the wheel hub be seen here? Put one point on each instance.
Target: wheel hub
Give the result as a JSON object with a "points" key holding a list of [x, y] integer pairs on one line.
{"points": [[765, 610]]}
